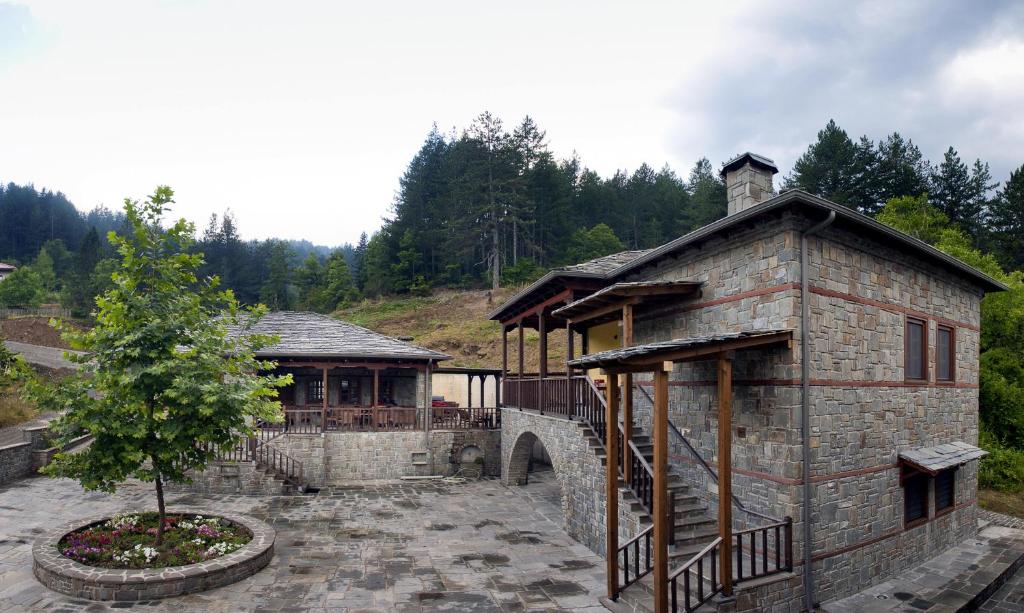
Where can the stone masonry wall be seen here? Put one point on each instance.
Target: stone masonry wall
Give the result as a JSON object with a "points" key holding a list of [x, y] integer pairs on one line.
{"points": [[232, 478], [861, 294], [578, 470], [15, 462]]}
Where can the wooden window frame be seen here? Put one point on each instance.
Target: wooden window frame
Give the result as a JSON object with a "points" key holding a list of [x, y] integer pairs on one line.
{"points": [[923, 348], [951, 355], [952, 503], [905, 476], [310, 385]]}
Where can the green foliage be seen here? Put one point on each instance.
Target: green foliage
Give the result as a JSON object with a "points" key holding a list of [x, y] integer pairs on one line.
{"points": [[914, 216], [1003, 468], [1006, 221], [171, 384], [43, 266], [12, 368], [22, 288], [522, 272], [277, 291], [593, 243]]}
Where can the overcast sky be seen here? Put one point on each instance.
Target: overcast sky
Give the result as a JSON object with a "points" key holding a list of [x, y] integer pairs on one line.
{"points": [[301, 116]]}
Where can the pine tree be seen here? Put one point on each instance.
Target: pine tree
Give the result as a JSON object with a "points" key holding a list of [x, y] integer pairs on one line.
{"points": [[901, 169], [708, 201], [1006, 221], [276, 292], [829, 167], [359, 262]]}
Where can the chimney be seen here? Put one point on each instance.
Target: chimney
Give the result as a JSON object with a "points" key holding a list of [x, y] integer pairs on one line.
{"points": [[748, 181]]}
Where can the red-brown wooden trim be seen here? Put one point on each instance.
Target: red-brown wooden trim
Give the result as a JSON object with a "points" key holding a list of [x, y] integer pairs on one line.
{"points": [[820, 383], [538, 309], [742, 296], [952, 354], [893, 307], [925, 358]]}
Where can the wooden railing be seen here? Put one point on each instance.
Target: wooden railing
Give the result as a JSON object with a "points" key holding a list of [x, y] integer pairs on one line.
{"points": [[636, 557], [573, 397], [698, 578], [285, 466], [450, 418], [764, 550]]}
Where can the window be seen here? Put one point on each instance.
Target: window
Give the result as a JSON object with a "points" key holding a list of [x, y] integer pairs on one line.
{"points": [[916, 349], [314, 391], [350, 392], [945, 490], [945, 354], [915, 499]]}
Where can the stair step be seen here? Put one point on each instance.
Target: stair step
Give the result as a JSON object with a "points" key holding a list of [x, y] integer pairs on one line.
{"points": [[693, 522], [697, 536]]}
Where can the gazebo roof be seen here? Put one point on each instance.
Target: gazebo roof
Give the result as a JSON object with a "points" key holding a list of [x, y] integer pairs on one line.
{"points": [[312, 335]]}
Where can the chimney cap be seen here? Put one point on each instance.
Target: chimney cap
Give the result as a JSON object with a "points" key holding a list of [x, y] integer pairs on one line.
{"points": [[755, 160]]}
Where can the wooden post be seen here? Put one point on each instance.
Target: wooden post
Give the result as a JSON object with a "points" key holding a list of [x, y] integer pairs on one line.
{"points": [[519, 383], [660, 510], [323, 411], [483, 394], [611, 488], [469, 395], [542, 329], [570, 355], [627, 397], [499, 381], [725, 471]]}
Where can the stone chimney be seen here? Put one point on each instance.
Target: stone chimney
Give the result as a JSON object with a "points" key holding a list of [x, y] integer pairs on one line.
{"points": [[748, 181]]}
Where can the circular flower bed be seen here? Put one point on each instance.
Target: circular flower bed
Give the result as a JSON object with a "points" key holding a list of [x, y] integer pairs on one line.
{"points": [[116, 558], [128, 540]]}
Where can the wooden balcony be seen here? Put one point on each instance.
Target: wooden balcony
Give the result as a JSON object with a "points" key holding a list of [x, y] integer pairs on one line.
{"points": [[310, 420]]}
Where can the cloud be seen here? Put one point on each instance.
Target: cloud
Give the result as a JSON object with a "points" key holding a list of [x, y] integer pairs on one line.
{"points": [[19, 32], [940, 73]]}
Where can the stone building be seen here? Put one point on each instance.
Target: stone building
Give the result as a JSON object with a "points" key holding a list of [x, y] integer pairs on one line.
{"points": [[842, 353], [359, 407]]}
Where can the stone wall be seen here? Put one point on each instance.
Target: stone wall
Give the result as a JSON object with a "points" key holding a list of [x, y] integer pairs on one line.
{"points": [[340, 457], [15, 462], [578, 469], [233, 478], [863, 412]]}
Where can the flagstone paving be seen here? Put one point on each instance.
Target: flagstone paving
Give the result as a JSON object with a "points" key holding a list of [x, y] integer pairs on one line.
{"points": [[388, 546]]}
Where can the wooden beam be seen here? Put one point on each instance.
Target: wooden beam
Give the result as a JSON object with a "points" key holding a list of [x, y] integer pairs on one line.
{"points": [[483, 382], [469, 395], [725, 471], [627, 398], [376, 388], [519, 376], [536, 309], [708, 352], [323, 411], [612, 489], [543, 369], [570, 354], [659, 513], [605, 310]]}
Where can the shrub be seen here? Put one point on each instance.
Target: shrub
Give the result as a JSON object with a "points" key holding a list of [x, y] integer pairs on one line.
{"points": [[1003, 468]]}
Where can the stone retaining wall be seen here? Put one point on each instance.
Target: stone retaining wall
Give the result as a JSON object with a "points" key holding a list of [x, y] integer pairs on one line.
{"points": [[15, 462], [64, 575]]}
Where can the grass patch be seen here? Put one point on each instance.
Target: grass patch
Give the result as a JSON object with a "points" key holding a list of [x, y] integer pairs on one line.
{"points": [[1007, 503], [13, 409], [370, 313]]}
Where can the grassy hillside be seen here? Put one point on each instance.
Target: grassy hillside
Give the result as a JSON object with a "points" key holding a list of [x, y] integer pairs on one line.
{"points": [[455, 322]]}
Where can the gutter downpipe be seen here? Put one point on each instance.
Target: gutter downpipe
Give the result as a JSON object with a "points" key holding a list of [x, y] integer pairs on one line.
{"points": [[805, 416]]}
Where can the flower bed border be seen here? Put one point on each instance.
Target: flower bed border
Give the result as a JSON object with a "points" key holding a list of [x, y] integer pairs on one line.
{"points": [[73, 578]]}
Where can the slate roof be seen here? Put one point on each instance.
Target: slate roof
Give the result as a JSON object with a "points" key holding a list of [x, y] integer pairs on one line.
{"points": [[650, 350], [940, 457], [618, 291], [311, 335], [7, 267], [604, 264]]}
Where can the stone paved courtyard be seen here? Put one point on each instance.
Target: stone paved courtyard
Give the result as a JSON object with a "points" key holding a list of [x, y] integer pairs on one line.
{"points": [[396, 546]]}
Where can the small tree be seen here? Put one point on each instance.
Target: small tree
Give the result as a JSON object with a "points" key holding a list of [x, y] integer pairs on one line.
{"points": [[172, 383], [22, 288]]}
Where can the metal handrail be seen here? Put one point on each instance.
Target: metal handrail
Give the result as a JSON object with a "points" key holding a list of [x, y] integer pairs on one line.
{"points": [[707, 468]]}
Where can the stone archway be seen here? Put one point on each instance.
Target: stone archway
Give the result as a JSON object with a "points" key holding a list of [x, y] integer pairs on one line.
{"points": [[518, 466]]}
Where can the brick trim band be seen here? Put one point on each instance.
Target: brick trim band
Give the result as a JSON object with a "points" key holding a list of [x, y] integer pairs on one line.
{"points": [[892, 307]]}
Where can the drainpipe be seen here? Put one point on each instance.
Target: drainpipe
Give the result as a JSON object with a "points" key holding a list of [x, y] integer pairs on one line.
{"points": [[805, 413]]}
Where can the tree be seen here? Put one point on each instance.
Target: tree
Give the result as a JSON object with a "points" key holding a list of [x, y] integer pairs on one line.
{"points": [[43, 266], [901, 169], [359, 262], [593, 243], [708, 200], [914, 216], [80, 294], [836, 168], [961, 192], [173, 386], [1006, 221], [22, 288], [276, 291], [339, 288]]}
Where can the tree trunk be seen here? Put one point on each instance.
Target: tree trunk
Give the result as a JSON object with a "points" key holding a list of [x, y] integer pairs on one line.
{"points": [[161, 509]]}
